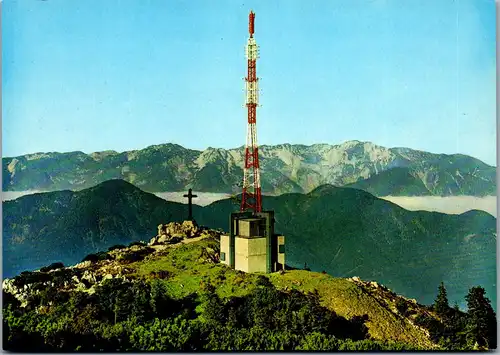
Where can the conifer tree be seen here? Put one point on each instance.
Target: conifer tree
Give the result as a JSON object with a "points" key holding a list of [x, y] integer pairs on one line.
{"points": [[441, 305], [482, 325]]}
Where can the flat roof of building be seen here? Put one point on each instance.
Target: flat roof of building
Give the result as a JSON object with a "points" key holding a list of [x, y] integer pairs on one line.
{"points": [[249, 237], [251, 219]]}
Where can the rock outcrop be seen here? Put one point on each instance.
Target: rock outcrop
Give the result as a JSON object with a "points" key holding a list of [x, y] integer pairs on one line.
{"points": [[86, 276], [209, 255], [408, 308], [175, 232]]}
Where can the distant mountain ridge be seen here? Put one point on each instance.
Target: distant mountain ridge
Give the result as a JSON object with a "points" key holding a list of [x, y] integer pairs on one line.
{"points": [[349, 232], [346, 232], [284, 168]]}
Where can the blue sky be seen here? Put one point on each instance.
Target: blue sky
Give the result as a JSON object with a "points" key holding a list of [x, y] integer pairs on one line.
{"points": [[95, 75]]}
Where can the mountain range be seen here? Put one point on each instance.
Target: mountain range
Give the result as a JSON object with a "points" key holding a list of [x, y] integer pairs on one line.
{"points": [[285, 168], [342, 231]]}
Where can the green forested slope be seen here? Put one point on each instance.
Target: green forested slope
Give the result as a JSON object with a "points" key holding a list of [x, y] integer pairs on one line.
{"points": [[342, 231], [348, 232]]}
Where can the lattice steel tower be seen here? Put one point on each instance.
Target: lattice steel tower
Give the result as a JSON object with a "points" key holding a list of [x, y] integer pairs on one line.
{"points": [[251, 198]]}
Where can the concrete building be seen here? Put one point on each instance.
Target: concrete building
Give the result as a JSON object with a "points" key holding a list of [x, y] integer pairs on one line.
{"points": [[251, 245]]}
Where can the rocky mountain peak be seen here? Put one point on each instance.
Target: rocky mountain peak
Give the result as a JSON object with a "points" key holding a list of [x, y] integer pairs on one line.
{"points": [[284, 168], [98, 156]]}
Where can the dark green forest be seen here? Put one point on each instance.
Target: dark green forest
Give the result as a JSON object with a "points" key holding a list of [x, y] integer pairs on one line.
{"points": [[138, 315]]}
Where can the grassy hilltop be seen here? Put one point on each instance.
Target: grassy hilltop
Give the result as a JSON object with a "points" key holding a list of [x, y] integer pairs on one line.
{"points": [[170, 297], [343, 231]]}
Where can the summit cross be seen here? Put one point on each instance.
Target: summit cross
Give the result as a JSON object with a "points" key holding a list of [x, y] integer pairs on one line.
{"points": [[190, 197]]}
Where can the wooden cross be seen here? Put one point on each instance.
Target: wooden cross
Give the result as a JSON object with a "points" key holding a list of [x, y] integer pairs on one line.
{"points": [[190, 203]]}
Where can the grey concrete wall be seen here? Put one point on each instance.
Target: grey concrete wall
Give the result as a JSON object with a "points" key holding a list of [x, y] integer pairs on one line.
{"points": [[250, 254], [224, 247], [281, 256]]}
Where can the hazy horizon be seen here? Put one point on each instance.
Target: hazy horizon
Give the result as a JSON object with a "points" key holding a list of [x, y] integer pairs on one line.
{"points": [[446, 204]]}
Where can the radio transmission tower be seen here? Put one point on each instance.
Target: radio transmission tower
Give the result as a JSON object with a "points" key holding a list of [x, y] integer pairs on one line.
{"points": [[251, 198]]}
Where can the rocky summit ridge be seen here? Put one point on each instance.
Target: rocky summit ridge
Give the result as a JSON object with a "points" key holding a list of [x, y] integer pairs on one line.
{"points": [[285, 168], [182, 264], [95, 269], [120, 263]]}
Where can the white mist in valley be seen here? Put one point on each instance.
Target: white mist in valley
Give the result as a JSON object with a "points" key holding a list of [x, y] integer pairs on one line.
{"points": [[448, 204], [12, 195], [202, 199]]}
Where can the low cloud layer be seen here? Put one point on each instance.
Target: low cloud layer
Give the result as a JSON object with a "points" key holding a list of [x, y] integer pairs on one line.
{"points": [[449, 204], [203, 199], [12, 195]]}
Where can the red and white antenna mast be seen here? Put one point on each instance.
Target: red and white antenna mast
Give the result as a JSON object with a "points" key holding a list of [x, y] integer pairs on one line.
{"points": [[251, 198]]}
